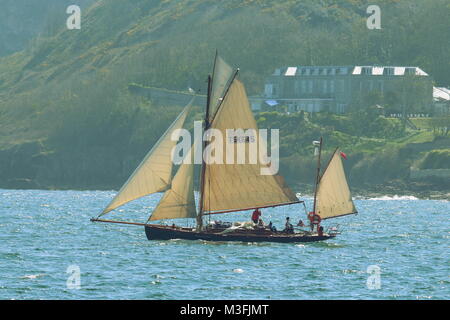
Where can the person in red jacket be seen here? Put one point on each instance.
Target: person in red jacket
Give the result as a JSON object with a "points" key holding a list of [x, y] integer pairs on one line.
{"points": [[255, 216]]}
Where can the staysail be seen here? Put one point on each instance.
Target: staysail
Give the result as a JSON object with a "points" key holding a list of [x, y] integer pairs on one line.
{"points": [[233, 187], [333, 194], [155, 171], [178, 201]]}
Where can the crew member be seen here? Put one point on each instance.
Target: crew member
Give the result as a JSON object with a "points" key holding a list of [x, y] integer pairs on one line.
{"points": [[260, 223], [314, 219], [255, 216], [271, 227], [320, 231], [288, 227]]}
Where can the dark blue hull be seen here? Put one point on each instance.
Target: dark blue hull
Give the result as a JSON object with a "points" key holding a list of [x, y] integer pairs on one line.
{"points": [[160, 232]]}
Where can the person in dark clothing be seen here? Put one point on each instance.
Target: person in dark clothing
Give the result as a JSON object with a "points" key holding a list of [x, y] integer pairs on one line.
{"points": [[320, 231], [288, 227], [271, 227]]}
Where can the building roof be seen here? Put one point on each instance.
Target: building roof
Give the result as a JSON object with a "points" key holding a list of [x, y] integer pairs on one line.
{"points": [[353, 70], [272, 103], [441, 94]]}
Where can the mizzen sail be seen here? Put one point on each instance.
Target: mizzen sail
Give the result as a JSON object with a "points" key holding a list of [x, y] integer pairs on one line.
{"points": [[240, 186], [178, 201], [155, 171], [333, 194]]}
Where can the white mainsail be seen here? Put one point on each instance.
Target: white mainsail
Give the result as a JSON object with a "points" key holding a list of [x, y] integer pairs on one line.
{"points": [[178, 201], [154, 173], [229, 187], [333, 196]]}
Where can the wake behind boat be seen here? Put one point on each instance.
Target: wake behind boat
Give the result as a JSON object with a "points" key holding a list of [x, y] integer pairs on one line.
{"points": [[231, 186]]}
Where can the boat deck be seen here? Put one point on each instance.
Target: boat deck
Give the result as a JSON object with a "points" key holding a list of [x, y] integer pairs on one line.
{"points": [[162, 232]]}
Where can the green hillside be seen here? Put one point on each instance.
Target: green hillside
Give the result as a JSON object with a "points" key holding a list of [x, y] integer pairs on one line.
{"points": [[22, 21], [67, 119]]}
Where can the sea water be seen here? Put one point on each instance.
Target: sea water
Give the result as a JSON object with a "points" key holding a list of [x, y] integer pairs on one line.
{"points": [[395, 248]]}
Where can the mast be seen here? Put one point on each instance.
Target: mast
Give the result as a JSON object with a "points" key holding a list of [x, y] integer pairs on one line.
{"points": [[318, 175], [203, 170]]}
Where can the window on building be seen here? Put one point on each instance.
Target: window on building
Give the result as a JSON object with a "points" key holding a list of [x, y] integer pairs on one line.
{"points": [[317, 106], [297, 87], [268, 90], [367, 70], [410, 71], [388, 71], [340, 108], [340, 85], [310, 86], [331, 86]]}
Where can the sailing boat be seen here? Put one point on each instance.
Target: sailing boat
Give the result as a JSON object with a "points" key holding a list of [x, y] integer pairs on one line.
{"points": [[225, 187]]}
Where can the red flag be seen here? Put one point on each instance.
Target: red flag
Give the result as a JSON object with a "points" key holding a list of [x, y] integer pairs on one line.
{"points": [[343, 155]]}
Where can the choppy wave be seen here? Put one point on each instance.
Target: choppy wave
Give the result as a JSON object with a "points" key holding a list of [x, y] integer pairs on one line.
{"points": [[32, 276], [395, 197]]}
